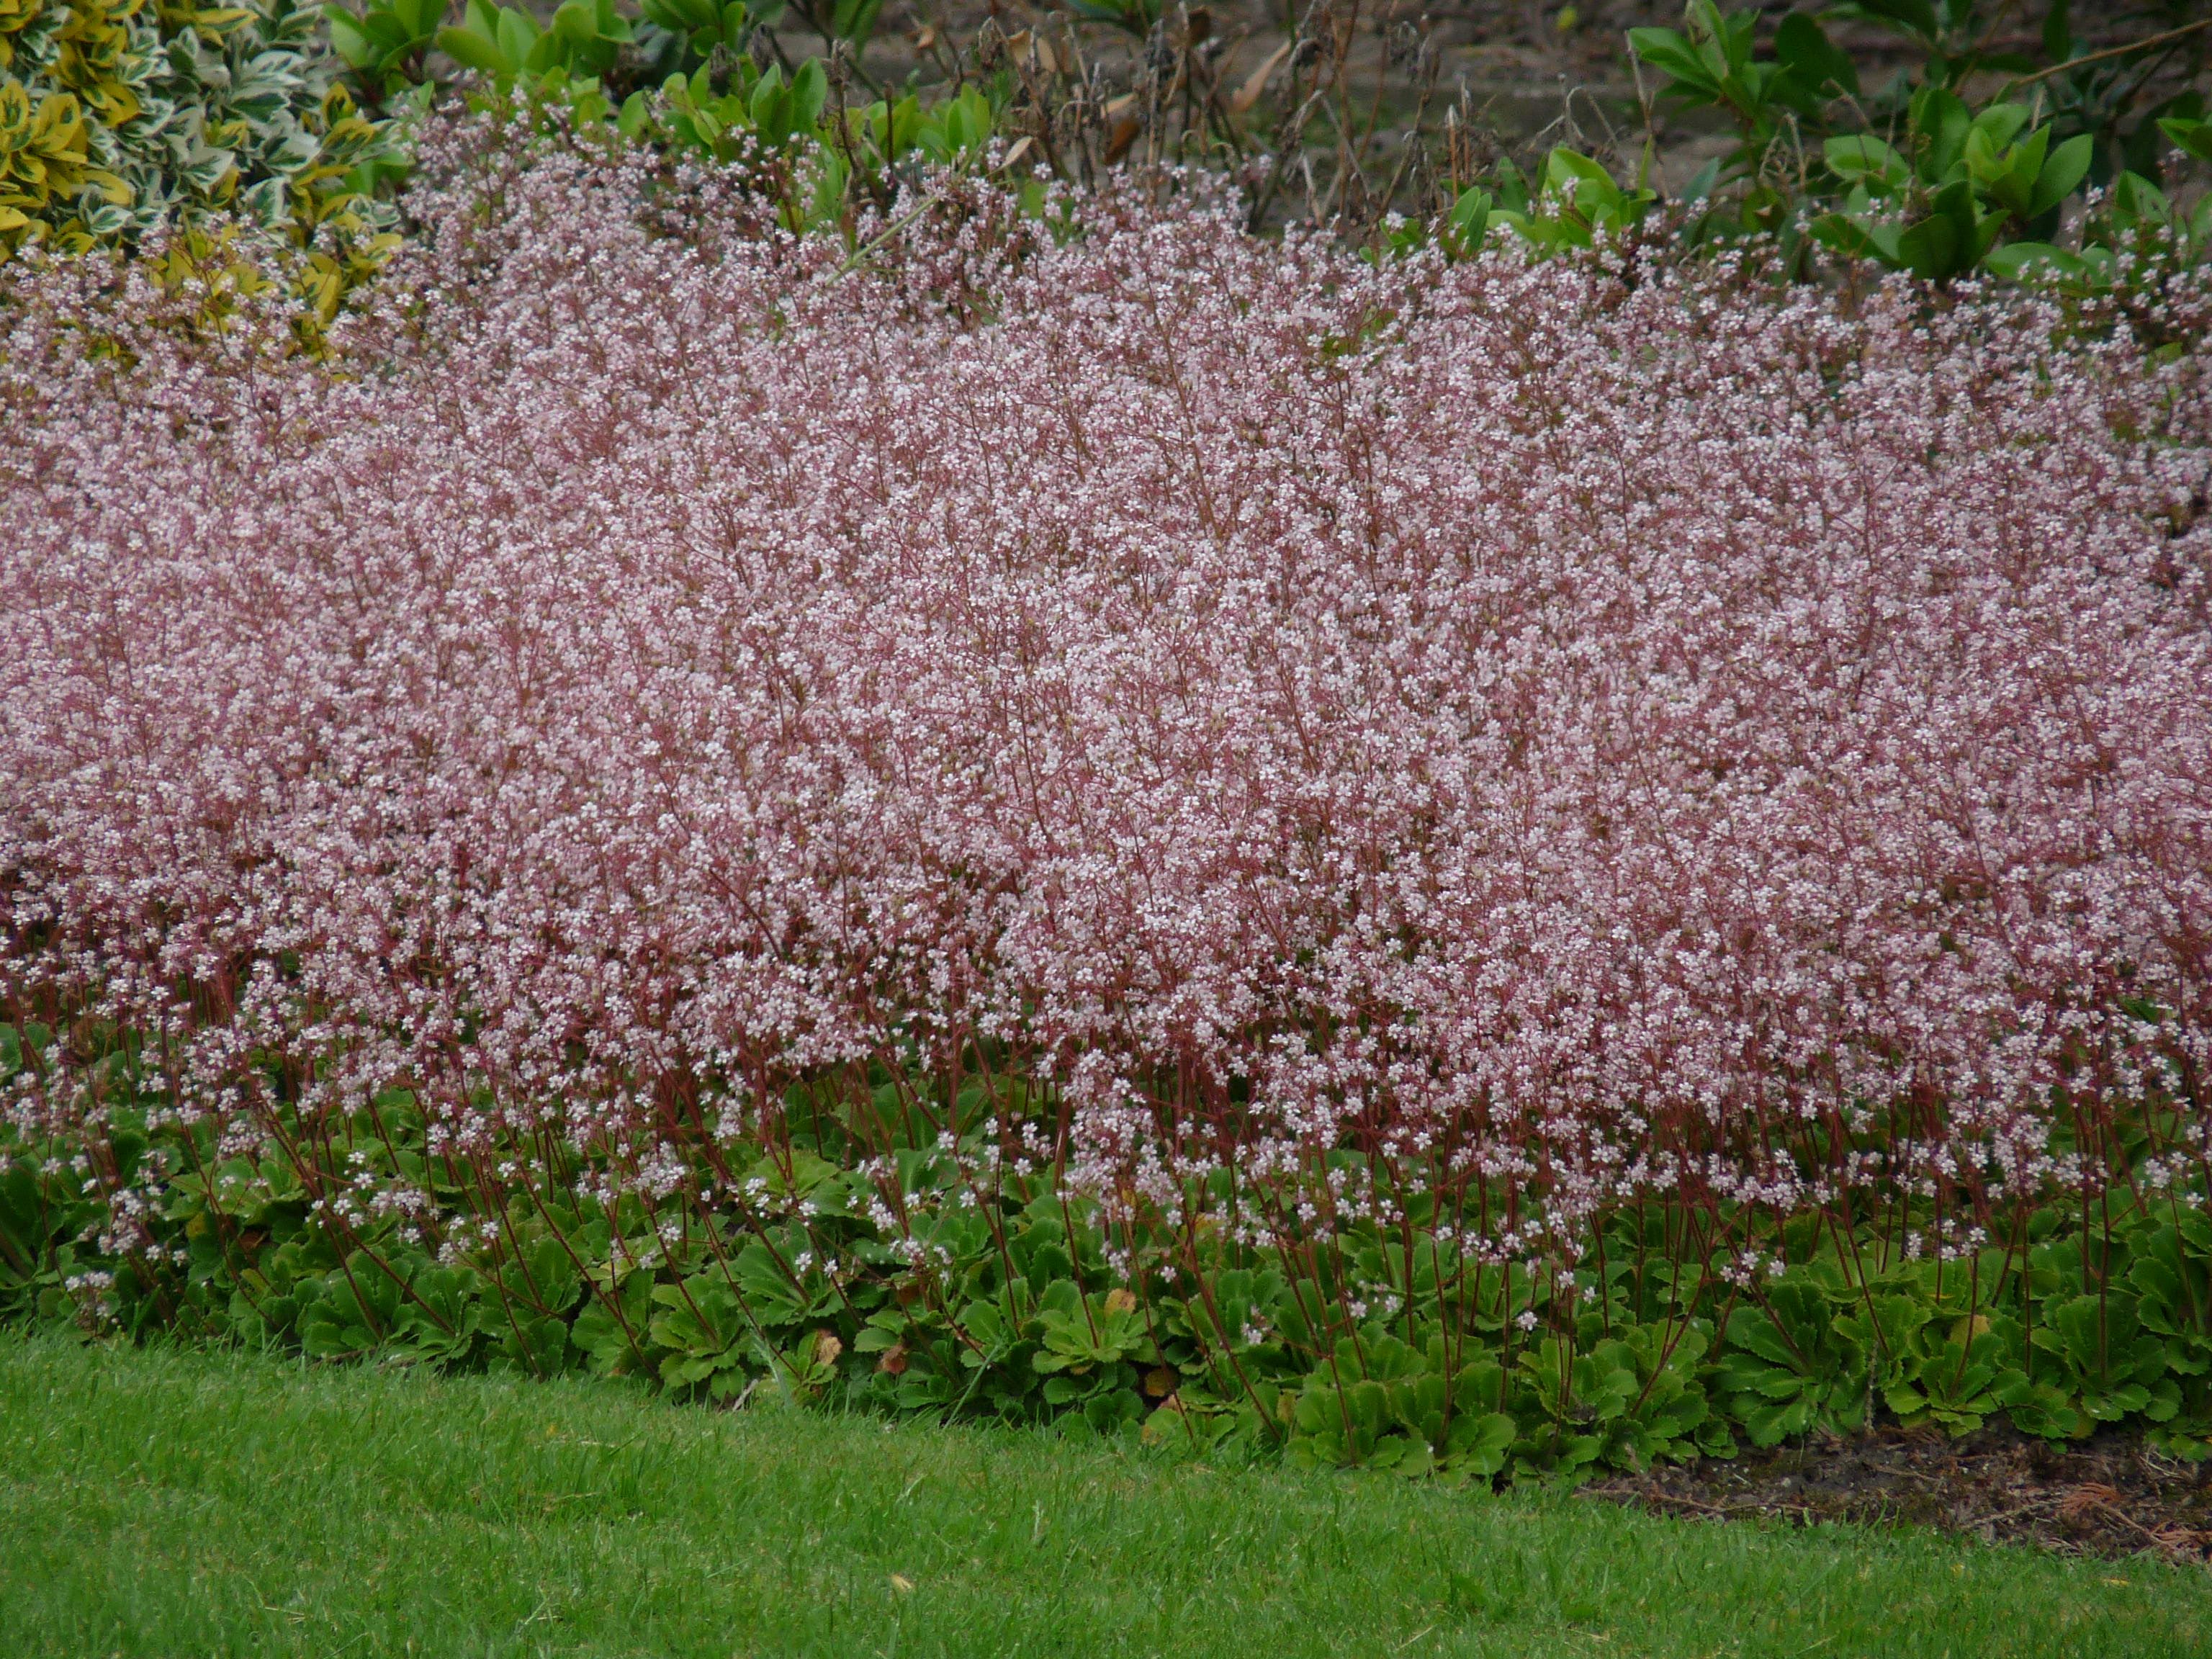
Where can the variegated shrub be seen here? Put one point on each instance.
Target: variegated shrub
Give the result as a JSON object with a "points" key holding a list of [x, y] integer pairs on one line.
{"points": [[119, 118]]}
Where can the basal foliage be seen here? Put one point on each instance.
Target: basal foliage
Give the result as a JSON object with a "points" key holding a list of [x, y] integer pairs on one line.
{"points": [[1483, 866]]}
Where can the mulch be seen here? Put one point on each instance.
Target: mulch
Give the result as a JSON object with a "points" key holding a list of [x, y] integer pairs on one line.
{"points": [[2111, 1495]]}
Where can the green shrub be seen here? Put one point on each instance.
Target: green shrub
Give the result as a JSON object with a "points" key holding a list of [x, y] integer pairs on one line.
{"points": [[1945, 171]]}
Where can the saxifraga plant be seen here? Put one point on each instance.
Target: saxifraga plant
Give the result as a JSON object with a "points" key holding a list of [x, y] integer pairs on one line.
{"points": [[1482, 867]]}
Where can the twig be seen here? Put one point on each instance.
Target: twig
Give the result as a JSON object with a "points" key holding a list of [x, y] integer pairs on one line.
{"points": [[2110, 51], [891, 230]]}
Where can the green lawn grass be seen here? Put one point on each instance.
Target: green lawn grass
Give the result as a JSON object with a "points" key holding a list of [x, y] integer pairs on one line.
{"points": [[175, 1504]]}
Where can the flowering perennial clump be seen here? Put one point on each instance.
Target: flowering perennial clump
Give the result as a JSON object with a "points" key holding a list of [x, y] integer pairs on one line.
{"points": [[1127, 809]]}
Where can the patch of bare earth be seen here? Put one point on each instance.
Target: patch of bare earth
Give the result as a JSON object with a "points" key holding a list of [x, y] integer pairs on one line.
{"points": [[2111, 1495]]}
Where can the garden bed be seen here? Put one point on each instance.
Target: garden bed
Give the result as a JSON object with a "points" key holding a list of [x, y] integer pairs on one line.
{"points": [[2109, 1495], [1509, 868]]}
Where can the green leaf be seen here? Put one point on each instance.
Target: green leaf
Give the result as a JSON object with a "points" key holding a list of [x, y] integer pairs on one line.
{"points": [[1669, 52], [1863, 158], [1914, 17], [1942, 120], [535, 1346], [518, 35], [2068, 166], [443, 1313], [855, 20], [2192, 137], [1469, 218], [1932, 248], [612, 1345], [473, 50], [2058, 32], [350, 41], [1817, 65], [575, 22]]}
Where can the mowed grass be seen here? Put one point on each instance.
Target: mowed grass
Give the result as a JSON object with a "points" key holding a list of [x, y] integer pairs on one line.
{"points": [[178, 1504]]}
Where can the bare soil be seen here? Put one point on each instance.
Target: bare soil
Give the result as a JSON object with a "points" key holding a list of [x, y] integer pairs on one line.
{"points": [[2111, 1495]]}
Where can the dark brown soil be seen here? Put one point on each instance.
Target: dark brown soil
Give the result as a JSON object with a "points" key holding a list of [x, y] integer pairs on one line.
{"points": [[2109, 1495]]}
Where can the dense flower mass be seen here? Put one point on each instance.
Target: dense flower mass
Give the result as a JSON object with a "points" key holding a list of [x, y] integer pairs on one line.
{"points": [[1588, 728]]}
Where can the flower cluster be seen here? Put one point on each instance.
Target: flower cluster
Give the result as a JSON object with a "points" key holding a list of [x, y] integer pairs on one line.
{"points": [[1579, 731]]}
